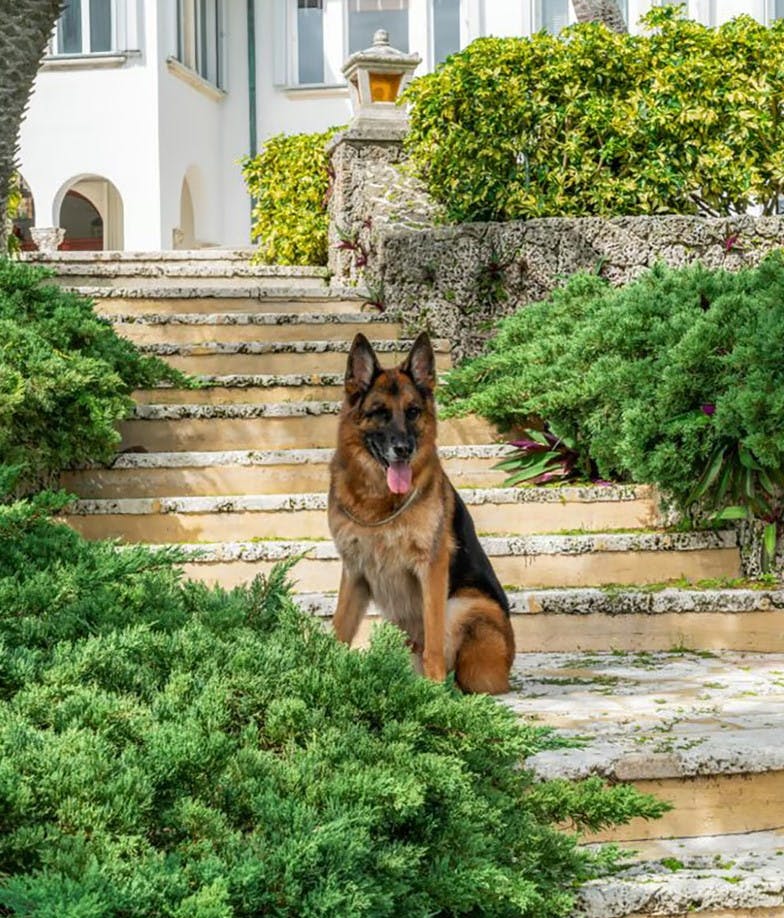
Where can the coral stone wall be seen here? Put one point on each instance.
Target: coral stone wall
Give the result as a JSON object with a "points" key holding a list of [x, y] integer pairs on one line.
{"points": [[372, 192], [456, 280]]}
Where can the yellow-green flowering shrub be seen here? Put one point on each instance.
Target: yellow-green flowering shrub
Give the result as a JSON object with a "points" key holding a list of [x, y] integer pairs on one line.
{"points": [[289, 182], [680, 119]]}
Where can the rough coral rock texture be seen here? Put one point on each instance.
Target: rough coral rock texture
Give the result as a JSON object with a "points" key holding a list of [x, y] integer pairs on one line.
{"points": [[26, 26], [650, 716], [456, 280], [372, 190], [605, 11]]}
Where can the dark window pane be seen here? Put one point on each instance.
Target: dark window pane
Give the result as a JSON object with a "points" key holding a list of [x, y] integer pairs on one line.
{"points": [[201, 28], [365, 17], [69, 33], [778, 10], [446, 28], [310, 41], [100, 25]]}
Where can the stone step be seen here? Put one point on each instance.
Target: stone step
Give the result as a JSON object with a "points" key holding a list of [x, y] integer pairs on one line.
{"points": [[196, 327], [286, 425], [632, 620], [229, 301], [249, 389], [151, 272], [713, 876], [253, 472], [259, 357], [538, 561], [157, 297], [702, 731], [505, 511], [162, 256]]}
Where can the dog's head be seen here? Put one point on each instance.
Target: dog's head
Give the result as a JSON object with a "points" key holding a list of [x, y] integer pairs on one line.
{"points": [[392, 411]]}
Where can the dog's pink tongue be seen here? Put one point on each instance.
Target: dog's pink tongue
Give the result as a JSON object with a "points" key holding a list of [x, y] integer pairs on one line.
{"points": [[399, 477]]}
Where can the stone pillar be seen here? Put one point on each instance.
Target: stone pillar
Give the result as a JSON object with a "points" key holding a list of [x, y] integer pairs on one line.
{"points": [[364, 156], [47, 238], [359, 160]]}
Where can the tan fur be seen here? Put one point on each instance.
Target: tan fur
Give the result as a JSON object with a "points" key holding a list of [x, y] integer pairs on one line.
{"points": [[403, 565]]}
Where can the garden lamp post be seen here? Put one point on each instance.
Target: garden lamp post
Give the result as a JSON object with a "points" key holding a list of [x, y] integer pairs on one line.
{"points": [[376, 78]]}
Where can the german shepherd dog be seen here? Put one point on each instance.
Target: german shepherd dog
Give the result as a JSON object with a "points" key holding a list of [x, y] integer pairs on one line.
{"points": [[405, 537]]}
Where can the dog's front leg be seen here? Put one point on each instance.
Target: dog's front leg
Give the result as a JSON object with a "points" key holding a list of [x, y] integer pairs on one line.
{"points": [[434, 581], [353, 600]]}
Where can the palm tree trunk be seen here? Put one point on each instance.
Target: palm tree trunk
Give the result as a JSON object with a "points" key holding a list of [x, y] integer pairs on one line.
{"points": [[25, 26], [605, 11]]}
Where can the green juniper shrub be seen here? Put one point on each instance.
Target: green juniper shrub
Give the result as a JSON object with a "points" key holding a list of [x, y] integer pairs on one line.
{"points": [[65, 376], [289, 183], [681, 119], [676, 379], [170, 749]]}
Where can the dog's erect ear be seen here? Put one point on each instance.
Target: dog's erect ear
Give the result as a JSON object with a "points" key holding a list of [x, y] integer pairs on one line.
{"points": [[421, 363], [361, 369]]}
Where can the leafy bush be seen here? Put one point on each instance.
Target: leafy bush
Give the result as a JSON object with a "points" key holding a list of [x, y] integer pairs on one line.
{"points": [[289, 183], [685, 119], [13, 202], [169, 749], [65, 376], [676, 379]]}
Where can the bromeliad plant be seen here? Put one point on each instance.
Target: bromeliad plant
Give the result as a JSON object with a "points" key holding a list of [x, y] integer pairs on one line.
{"points": [[541, 456], [738, 487]]}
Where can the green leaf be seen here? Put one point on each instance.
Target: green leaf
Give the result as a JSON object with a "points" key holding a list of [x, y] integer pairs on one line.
{"points": [[709, 476], [769, 539], [731, 513], [544, 464]]}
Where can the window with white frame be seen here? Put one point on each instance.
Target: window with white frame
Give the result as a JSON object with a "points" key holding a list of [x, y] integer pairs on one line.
{"points": [[365, 17], [310, 41], [446, 29], [85, 27], [552, 15], [776, 9], [199, 36]]}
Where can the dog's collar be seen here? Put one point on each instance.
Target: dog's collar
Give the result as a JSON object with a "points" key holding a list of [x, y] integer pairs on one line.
{"points": [[387, 519]]}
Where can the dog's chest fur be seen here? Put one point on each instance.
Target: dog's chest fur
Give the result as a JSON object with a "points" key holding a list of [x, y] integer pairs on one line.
{"points": [[386, 557]]}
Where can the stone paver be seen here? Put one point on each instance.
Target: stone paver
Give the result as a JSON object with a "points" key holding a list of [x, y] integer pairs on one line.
{"points": [[655, 715]]}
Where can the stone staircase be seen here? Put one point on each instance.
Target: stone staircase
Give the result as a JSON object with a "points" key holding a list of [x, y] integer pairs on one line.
{"points": [[676, 687]]}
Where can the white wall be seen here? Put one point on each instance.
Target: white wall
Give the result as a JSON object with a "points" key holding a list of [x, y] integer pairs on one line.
{"points": [[282, 106], [145, 129], [86, 122]]}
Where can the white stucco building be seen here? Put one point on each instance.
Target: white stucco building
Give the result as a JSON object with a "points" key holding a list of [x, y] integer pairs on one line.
{"points": [[143, 108]]}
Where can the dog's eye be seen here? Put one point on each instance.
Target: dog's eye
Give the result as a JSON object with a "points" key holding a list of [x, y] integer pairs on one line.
{"points": [[380, 414], [412, 412]]}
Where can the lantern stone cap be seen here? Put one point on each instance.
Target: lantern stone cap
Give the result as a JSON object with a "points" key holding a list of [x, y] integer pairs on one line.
{"points": [[381, 56]]}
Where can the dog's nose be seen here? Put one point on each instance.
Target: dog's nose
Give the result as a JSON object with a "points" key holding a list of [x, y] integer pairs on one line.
{"points": [[402, 450]]}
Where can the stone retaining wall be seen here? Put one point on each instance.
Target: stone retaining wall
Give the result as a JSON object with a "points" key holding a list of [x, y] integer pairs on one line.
{"points": [[456, 280]]}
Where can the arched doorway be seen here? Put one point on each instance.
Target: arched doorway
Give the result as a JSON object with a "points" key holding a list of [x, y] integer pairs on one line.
{"points": [[82, 222], [185, 238], [189, 233], [24, 216], [90, 210]]}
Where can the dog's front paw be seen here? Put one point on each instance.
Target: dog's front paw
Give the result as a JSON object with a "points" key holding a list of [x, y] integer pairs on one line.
{"points": [[434, 668]]}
